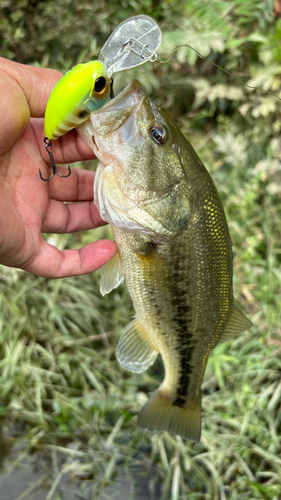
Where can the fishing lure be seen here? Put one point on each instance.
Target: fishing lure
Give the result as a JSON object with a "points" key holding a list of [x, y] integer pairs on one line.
{"points": [[87, 87], [83, 89], [80, 91]]}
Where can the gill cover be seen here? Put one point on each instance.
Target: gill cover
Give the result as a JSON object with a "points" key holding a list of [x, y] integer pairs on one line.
{"points": [[83, 89]]}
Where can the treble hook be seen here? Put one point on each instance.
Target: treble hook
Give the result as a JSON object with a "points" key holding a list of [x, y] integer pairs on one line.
{"points": [[49, 149]]}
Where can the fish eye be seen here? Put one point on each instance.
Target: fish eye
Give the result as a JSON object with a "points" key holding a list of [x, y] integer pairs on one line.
{"points": [[100, 85], [158, 133]]}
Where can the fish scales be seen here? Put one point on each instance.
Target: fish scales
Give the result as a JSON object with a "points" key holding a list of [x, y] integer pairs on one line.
{"points": [[195, 286], [174, 249]]}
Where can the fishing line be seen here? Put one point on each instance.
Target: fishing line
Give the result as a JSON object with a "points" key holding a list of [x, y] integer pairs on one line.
{"points": [[160, 61]]}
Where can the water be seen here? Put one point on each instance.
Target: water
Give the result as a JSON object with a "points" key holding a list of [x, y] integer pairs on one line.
{"points": [[33, 478], [22, 483]]}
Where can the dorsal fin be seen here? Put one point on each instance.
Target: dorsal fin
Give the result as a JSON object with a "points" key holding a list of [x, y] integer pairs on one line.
{"points": [[111, 275], [135, 350], [236, 324]]}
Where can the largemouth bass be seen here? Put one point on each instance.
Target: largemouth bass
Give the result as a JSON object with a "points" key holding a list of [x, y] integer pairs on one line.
{"points": [[174, 251]]}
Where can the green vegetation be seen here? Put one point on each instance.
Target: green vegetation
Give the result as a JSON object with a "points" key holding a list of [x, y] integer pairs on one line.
{"points": [[64, 397]]}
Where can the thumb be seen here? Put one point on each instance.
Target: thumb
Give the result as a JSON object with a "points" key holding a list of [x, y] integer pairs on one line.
{"points": [[25, 92], [14, 112]]}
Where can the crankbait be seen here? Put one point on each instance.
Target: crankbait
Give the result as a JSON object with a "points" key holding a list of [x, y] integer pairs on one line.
{"points": [[87, 87]]}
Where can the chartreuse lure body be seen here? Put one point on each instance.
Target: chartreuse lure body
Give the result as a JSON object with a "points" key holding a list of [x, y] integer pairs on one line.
{"points": [[80, 91], [83, 89]]}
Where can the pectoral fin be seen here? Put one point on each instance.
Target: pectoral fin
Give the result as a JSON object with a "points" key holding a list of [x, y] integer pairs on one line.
{"points": [[237, 323], [111, 275], [135, 351]]}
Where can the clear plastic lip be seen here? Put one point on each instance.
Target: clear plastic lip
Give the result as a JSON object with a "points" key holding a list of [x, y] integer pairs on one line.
{"points": [[132, 43]]}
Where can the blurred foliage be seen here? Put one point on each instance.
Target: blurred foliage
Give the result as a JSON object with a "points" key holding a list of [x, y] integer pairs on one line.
{"points": [[56, 31], [62, 392]]}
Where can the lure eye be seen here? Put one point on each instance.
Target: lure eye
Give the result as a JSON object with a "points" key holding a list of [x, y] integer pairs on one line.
{"points": [[100, 85], [158, 133], [83, 114]]}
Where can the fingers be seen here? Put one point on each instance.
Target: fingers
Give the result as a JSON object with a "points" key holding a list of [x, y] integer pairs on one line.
{"points": [[25, 91], [52, 263], [69, 218], [36, 83], [77, 187], [67, 149]]}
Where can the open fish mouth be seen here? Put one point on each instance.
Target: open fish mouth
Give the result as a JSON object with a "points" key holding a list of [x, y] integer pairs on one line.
{"points": [[112, 116], [115, 125], [130, 96]]}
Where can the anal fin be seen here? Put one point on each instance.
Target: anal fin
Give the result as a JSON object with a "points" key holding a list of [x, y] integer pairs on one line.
{"points": [[236, 324], [135, 350]]}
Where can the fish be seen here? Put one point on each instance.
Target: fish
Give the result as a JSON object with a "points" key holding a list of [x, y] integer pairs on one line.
{"points": [[174, 251]]}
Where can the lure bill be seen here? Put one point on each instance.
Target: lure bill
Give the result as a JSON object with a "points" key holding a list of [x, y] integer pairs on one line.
{"points": [[132, 43], [87, 87]]}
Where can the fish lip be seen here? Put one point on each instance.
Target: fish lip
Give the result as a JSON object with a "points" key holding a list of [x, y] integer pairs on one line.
{"points": [[94, 141]]}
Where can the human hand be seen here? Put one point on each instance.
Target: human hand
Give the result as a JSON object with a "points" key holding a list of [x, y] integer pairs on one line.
{"points": [[29, 206]]}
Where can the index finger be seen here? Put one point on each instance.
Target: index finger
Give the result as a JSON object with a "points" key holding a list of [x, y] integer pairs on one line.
{"points": [[36, 83]]}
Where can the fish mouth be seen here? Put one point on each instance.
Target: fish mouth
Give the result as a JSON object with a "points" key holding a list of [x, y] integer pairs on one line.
{"points": [[116, 124], [112, 116], [130, 96]]}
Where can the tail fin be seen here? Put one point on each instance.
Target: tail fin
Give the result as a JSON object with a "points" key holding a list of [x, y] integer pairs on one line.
{"points": [[163, 413]]}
